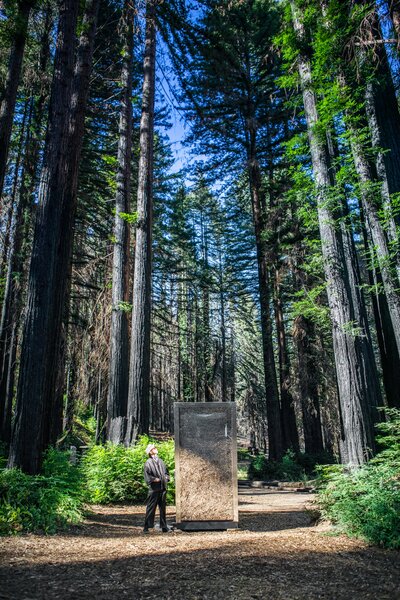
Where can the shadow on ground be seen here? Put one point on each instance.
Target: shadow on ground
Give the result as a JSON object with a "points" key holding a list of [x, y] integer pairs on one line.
{"points": [[235, 571], [275, 554], [101, 525]]}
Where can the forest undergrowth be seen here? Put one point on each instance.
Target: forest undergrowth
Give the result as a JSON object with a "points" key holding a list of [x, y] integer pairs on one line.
{"points": [[362, 502]]}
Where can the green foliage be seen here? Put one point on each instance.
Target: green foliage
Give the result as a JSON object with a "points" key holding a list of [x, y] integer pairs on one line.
{"points": [[365, 502], [242, 473], [243, 454], [55, 498], [292, 467], [129, 217], [113, 473], [43, 502], [124, 306], [389, 440], [309, 305]]}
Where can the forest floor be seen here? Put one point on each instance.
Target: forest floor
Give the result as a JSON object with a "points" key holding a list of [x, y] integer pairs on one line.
{"points": [[277, 553]]}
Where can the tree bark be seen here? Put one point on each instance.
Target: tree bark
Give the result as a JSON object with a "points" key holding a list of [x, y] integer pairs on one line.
{"points": [[205, 331], [9, 314], [384, 122], [8, 101], [20, 247], [119, 350], [139, 372], [355, 365], [308, 383], [288, 417], [389, 356], [258, 202], [39, 401], [7, 221], [378, 237], [224, 383], [275, 438]]}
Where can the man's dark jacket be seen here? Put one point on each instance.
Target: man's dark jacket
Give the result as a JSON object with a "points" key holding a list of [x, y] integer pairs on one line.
{"points": [[156, 469]]}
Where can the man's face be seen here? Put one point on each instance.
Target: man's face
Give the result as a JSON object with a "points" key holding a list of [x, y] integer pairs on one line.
{"points": [[153, 452]]}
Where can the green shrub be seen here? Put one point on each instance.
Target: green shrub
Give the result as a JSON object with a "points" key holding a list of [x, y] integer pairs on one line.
{"points": [[292, 467], [43, 502], [113, 473], [365, 502], [243, 454]]}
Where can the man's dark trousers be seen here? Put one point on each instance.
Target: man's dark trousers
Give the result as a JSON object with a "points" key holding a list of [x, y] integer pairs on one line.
{"points": [[155, 499]]}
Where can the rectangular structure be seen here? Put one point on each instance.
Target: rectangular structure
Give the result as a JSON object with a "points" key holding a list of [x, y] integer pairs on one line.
{"points": [[206, 465]]}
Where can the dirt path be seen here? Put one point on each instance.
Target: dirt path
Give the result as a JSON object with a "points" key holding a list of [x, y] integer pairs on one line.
{"points": [[275, 554]]}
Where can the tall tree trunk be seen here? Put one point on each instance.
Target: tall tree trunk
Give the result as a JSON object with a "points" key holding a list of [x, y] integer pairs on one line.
{"points": [[288, 416], [205, 331], [39, 402], [224, 384], [139, 372], [6, 222], [275, 438], [119, 350], [69, 412], [384, 120], [389, 355], [20, 248], [258, 201], [9, 98], [390, 281], [13, 297], [303, 335], [9, 317], [355, 366]]}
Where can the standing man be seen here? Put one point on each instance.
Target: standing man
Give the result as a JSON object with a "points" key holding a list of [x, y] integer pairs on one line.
{"points": [[156, 476]]}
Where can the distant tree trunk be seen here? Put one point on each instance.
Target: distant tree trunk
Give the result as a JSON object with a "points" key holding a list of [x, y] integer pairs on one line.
{"points": [[70, 398], [288, 416], [355, 365], [7, 236], [39, 402], [308, 385], [275, 438], [205, 343], [9, 98], [389, 355], [9, 321], [224, 385], [205, 331], [139, 372], [119, 350], [258, 202]]}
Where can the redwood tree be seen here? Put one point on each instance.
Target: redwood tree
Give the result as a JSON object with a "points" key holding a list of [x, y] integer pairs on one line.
{"points": [[139, 372], [119, 350], [38, 418]]}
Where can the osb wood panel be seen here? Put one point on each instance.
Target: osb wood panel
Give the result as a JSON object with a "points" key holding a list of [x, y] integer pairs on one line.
{"points": [[206, 462]]}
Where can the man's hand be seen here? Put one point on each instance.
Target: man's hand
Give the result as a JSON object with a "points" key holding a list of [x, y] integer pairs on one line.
{"points": [[156, 480]]}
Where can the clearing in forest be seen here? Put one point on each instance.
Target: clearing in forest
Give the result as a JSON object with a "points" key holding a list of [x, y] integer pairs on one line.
{"points": [[277, 553]]}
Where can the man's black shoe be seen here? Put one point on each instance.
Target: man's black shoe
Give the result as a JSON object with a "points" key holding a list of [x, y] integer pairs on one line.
{"points": [[166, 529], [145, 530]]}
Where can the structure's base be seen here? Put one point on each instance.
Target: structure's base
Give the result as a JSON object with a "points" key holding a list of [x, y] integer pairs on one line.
{"points": [[206, 525]]}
